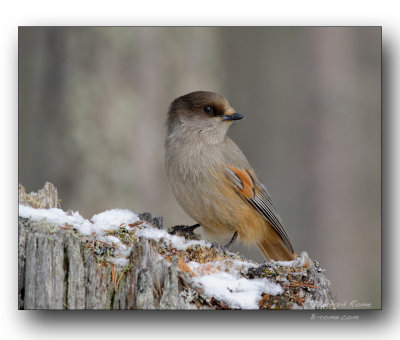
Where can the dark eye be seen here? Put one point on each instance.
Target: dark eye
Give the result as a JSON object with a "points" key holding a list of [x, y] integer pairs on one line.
{"points": [[208, 109]]}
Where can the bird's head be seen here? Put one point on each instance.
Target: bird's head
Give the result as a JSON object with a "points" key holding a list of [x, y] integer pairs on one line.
{"points": [[206, 115]]}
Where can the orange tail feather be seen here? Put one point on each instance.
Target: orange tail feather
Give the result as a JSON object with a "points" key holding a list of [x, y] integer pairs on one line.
{"points": [[275, 250]]}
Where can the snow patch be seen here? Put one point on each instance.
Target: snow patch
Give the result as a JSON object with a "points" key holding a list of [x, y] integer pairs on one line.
{"points": [[236, 292], [112, 219], [176, 242], [222, 281], [57, 216]]}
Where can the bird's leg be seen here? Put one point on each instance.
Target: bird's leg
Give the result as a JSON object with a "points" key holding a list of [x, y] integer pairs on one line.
{"points": [[184, 230], [227, 246]]}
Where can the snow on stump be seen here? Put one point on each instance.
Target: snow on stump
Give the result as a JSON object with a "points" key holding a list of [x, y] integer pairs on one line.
{"points": [[122, 260]]}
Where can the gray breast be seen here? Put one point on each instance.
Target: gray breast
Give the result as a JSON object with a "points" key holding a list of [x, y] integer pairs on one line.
{"points": [[190, 172]]}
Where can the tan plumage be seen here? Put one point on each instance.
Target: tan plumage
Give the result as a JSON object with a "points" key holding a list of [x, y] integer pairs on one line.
{"points": [[212, 179]]}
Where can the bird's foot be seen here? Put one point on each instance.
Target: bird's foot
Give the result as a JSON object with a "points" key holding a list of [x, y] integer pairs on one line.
{"points": [[224, 249], [218, 248], [186, 231]]}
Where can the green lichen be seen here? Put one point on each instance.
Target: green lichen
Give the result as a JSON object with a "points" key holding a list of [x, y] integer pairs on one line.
{"points": [[123, 234]]}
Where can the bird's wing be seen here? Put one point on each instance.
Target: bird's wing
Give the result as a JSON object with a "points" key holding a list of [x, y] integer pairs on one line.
{"points": [[255, 193]]}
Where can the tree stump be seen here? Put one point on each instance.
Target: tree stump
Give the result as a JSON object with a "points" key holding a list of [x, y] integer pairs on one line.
{"points": [[60, 268]]}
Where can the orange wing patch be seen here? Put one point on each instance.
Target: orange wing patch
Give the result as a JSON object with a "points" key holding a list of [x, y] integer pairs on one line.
{"points": [[247, 182]]}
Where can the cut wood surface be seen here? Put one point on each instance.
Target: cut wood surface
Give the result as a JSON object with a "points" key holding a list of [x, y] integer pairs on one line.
{"points": [[61, 268]]}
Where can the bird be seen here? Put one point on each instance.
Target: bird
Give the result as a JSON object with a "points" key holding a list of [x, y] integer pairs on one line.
{"points": [[212, 179]]}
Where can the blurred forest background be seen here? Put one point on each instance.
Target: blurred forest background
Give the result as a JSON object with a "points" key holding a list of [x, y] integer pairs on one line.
{"points": [[93, 103]]}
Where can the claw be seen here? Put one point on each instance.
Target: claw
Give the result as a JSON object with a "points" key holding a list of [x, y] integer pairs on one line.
{"points": [[185, 231]]}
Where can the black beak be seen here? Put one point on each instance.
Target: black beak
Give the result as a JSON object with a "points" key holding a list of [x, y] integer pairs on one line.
{"points": [[234, 116]]}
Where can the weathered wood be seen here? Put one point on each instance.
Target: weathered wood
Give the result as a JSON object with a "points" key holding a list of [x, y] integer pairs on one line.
{"points": [[45, 198], [57, 271]]}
